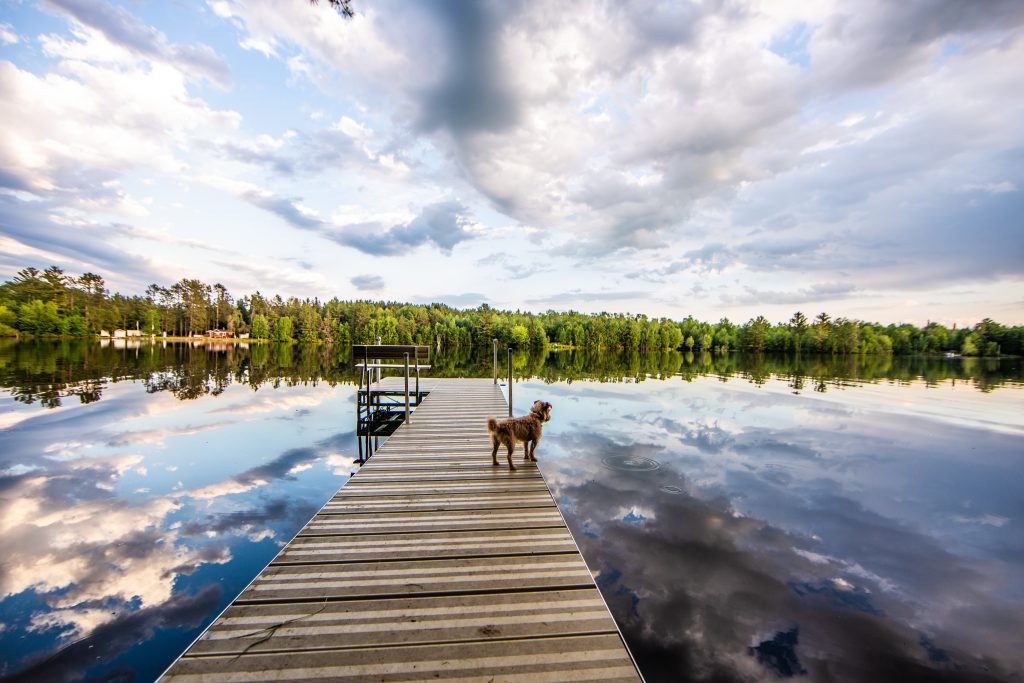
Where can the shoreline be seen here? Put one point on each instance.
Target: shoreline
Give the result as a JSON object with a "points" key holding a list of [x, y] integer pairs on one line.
{"points": [[154, 339]]}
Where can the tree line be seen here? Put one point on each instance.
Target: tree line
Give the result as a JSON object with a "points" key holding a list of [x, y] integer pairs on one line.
{"points": [[53, 303]]}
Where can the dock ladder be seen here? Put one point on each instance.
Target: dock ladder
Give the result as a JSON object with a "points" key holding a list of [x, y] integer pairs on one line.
{"points": [[380, 409]]}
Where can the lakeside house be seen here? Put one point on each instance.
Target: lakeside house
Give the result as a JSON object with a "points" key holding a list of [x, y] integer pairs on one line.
{"points": [[123, 334], [219, 334]]}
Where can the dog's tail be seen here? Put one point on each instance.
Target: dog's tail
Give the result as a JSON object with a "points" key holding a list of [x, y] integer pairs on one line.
{"points": [[492, 424]]}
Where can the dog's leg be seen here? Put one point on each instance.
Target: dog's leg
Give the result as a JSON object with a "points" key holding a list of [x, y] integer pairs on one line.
{"points": [[533, 451], [526, 448], [511, 444], [494, 450]]}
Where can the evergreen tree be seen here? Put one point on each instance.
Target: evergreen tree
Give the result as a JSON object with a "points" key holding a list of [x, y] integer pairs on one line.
{"points": [[260, 327], [282, 330]]}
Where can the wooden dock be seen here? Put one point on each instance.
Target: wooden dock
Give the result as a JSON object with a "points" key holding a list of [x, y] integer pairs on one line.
{"points": [[428, 564]]}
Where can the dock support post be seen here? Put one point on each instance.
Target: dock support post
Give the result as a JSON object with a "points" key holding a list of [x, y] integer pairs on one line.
{"points": [[510, 381], [407, 387], [494, 343], [359, 413], [378, 362]]}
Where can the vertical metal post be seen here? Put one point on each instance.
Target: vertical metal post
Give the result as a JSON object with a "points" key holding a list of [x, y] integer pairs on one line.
{"points": [[378, 362], [359, 412], [406, 386], [365, 438], [369, 413], [494, 343], [376, 414], [510, 381]]}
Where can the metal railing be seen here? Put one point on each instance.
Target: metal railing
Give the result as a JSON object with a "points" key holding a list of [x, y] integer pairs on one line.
{"points": [[494, 345], [379, 411], [510, 381]]}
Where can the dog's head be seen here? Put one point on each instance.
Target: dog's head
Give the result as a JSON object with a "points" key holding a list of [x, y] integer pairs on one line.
{"points": [[542, 410]]}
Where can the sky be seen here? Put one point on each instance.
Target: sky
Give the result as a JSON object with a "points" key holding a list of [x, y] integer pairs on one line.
{"points": [[713, 159]]}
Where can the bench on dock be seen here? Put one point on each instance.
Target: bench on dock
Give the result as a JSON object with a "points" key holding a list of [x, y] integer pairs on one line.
{"points": [[370, 357], [375, 355]]}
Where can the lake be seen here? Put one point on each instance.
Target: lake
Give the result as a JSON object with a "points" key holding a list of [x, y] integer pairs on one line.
{"points": [[856, 518]]}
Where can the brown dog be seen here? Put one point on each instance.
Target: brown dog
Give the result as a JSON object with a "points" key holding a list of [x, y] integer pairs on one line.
{"points": [[526, 429]]}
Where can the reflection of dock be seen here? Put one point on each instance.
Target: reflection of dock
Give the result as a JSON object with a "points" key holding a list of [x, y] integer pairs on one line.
{"points": [[429, 563]]}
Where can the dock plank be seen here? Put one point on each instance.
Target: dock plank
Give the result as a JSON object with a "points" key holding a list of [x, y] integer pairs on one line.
{"points": [[599, 657], [423, 545], [382, 623], [438, 502], [430, 563], [363, 579]]}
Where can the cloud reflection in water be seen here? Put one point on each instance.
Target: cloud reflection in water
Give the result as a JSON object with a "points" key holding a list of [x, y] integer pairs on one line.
{"points": [[776, 538], [112, 514]]}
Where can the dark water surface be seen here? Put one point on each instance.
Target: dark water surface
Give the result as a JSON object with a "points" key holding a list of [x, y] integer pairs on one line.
{"points": [[747, 518]]}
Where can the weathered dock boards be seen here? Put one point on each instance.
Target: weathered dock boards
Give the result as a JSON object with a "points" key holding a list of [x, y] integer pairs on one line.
{"points": [[428, 564]]}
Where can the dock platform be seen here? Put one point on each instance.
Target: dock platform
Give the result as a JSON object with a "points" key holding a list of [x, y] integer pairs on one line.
{"points": [[428, 564]]}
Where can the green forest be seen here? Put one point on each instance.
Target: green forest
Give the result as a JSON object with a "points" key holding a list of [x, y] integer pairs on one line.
{"points": [[51, 302]]}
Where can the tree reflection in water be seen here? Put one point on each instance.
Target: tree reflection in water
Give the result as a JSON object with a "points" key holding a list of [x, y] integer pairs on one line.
{"points": [[50, 371]]}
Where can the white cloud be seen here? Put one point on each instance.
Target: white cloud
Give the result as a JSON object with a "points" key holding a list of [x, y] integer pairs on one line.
{"points": [[125, 32], [270, 404], [988, 520], [221, 9], [105, 112], [9, 419], [158, 436], [7, 34], [342, 465], [368, 283], [328, 37], [223, 488], [992, 188]]}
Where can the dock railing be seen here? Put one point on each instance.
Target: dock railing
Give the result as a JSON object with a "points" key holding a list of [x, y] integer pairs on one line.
{"points": [[494, 344], [374, 415]]}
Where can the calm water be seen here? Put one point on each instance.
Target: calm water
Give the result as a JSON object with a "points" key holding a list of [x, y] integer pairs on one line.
{"points": [[840, 519]]}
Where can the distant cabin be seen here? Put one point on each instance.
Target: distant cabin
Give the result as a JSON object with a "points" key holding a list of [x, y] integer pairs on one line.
{"points": [[104, 333], [219, 334]]}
